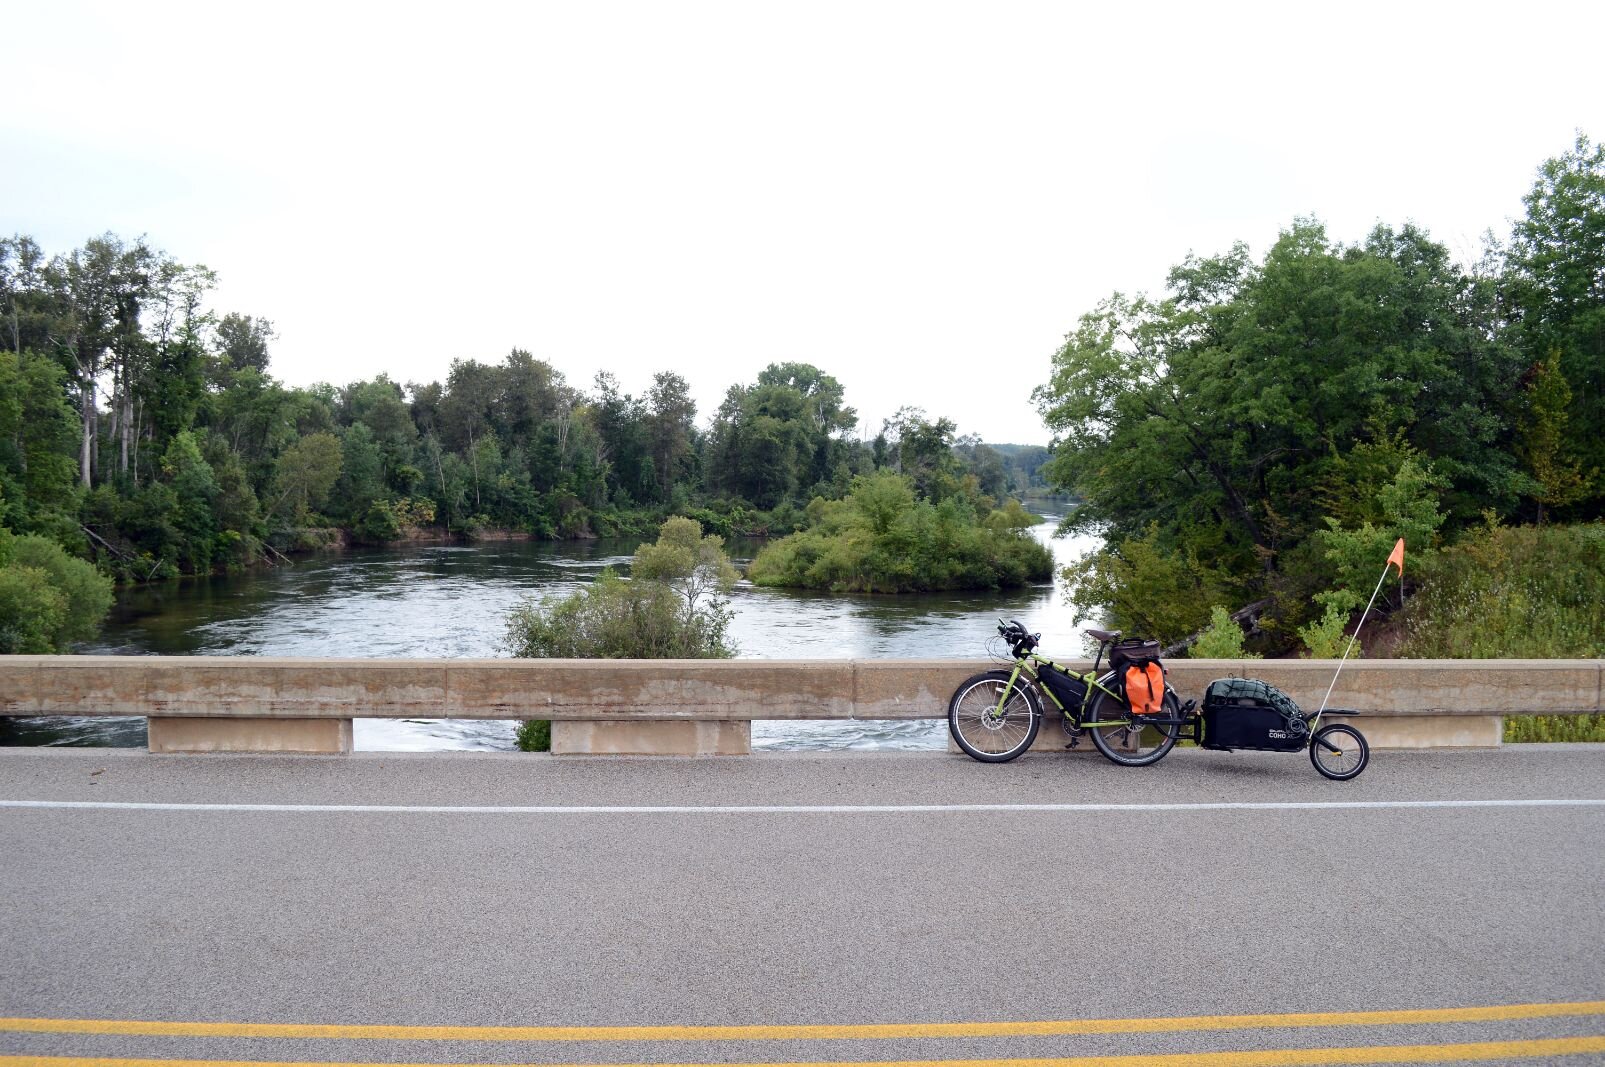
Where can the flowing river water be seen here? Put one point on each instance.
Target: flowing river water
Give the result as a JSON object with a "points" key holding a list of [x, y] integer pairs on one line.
{"points": [[447, 601]]}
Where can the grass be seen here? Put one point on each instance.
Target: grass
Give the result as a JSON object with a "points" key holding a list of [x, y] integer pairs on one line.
{"points": [[1520, 728], [1521, 592]]}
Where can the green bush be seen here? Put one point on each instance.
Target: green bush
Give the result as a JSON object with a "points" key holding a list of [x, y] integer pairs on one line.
{"points": [[31, 611], [673, 606], [50, 600], [1326, 637], [535, 735], [1222, 639], [882, 539]]}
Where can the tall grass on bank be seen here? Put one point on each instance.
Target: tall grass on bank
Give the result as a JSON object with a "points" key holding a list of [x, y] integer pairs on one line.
{"points": [[1520, 728], [1522, 592]]}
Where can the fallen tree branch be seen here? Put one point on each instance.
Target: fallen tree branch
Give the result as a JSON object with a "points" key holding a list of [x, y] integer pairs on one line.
{"points": [[1249, 614], [107, 545]]}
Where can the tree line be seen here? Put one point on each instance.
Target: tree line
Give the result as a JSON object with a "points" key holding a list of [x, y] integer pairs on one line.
{"points": [[1263, 430], [144, 431]]}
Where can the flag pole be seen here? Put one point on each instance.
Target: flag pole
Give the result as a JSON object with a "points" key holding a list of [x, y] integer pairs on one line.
{"points": [[1395, 559]]}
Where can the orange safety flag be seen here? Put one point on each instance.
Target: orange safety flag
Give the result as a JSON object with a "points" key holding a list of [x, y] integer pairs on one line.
{"points": [[1396, 557]]}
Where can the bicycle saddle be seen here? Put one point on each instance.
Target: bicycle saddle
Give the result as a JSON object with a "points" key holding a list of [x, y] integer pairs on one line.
{"points": [[1103, 635]]}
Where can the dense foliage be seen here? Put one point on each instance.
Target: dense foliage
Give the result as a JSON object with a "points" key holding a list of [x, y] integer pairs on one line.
{"points": [[48, 600], [886, 538], [1268, 427], [674, 605], [1521, 592], [142, 431]]}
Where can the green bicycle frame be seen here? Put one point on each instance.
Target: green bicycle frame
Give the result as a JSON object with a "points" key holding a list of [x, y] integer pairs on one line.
{"points": [[1028, 662]]}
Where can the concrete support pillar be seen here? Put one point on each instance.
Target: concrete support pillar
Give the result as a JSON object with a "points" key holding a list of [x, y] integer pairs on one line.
{"points": [[201, 734], [652, 737]]}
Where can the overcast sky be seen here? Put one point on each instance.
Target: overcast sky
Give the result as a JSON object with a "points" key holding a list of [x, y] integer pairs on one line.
{"points": [[920, 198]]}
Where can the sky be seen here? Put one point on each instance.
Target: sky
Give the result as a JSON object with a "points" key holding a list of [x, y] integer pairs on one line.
{"points": [[921, 199]]}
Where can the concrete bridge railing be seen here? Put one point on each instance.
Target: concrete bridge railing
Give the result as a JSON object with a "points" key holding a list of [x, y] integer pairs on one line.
{"points": [[258, 704]]}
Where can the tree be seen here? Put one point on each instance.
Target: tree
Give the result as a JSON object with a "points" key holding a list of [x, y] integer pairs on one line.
{"points": [[672, 607], [37, 433], [1555, 283], [303, 475], [1558, 476], [195, 491], [682, 558], [1207, 425], [242, 342], [670, 414]]}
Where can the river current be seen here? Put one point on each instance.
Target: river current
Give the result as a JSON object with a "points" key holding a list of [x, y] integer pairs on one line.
{"points": [[448, 601]]}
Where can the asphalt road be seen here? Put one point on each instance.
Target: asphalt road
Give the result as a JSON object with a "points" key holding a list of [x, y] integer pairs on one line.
{"points": [[886, 909]]}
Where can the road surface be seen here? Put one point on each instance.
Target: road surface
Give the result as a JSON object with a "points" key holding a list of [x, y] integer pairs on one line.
{"points": [[843, 908]]}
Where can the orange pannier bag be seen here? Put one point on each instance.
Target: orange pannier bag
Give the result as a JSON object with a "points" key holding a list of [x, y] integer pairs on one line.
{"points": [[1145, 688], [1135, 662]]}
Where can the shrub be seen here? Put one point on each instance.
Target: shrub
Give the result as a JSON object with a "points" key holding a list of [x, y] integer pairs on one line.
{"points": [[31, 610], [1511, 592], [1325, 637], [673, 607], [882, 539], [51, 600], [535, 736], [1221, 639]]}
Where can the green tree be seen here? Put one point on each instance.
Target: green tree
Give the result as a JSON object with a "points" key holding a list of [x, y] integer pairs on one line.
{"points": [[1555, 283], [37, 433], [670, 415], [243, 342], [303, 475], [195, 491], [1148, 589], [1558, 477], [693, 565]]}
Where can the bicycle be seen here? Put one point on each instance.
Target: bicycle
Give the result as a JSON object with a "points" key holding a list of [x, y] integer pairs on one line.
{"points": [[995, 715]]}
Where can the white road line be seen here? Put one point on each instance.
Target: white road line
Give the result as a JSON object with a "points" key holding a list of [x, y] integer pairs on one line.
{"points": [[796, 809]]}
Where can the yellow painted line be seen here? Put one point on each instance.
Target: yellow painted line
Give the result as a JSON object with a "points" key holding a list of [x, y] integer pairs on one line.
{"points": [[872, 1031], [1297, 1057]]}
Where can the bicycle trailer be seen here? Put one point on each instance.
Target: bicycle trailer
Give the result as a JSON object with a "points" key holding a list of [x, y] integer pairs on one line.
{"points": [[1246, 713]]}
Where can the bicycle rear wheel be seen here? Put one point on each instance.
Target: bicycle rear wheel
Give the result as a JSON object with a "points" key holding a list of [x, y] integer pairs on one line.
{"points": [[992, 721], [1131, 740]]}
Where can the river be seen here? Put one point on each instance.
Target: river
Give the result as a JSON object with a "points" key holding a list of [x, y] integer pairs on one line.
{"points": [[448, 601]]}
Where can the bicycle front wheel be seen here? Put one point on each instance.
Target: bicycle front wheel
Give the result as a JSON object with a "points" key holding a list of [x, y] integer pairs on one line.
{"points": [[1133, 740], [991, 720]]}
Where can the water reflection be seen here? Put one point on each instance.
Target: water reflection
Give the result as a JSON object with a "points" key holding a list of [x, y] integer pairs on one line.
{"points": [[448, 600]]}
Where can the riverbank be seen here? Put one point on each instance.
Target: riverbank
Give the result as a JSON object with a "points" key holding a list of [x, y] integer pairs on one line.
{"points": [[448, 600]]}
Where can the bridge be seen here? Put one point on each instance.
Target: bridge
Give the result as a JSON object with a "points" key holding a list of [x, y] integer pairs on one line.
{"points": [[706, 707], [853, 909], [1215, 910]]}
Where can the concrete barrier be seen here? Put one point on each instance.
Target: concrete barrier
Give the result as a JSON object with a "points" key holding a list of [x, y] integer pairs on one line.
{"points": [[260, 704]]}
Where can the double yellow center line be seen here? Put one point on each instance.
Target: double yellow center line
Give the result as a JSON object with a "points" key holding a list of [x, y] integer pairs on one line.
{"points": [[1465, 1052], [871, 1031]]}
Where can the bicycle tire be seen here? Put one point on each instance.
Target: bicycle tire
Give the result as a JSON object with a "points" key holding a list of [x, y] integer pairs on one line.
{"points": [[978, 729], [1354, 755], [1124, 745]]}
